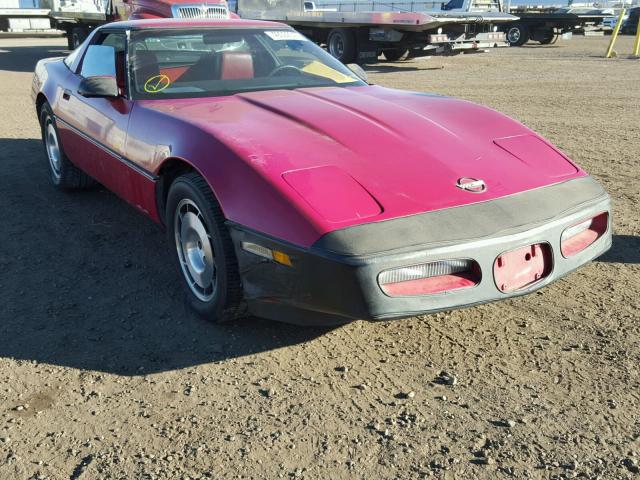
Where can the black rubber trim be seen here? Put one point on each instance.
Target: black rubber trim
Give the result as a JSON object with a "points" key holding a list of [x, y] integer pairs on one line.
{"points": [[315, 290], [484, 219], [134, 166]]}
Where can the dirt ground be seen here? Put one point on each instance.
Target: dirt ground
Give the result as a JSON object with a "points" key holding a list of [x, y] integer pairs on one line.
{"points": [[105, 374]]}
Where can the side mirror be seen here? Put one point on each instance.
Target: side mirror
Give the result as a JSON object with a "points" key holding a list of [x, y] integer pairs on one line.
{"points": [[99, 86], [358, 70], [99, 72]]}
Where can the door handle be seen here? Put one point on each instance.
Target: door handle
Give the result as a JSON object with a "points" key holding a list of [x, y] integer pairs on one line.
{"points": [[66, 95]]}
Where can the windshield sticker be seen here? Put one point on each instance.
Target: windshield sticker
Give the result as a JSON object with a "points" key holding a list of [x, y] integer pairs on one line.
{"points": [[157, 83], [322, 70], [284, 35]]}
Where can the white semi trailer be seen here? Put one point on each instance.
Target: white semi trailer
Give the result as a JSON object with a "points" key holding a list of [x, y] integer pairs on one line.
{"points": [[542, 24], [358, 32], [23, 16]]}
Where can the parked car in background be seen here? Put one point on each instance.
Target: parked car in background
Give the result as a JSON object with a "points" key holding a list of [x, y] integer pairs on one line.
{"points": [[291, 189], [630, 26], [609, 23]]}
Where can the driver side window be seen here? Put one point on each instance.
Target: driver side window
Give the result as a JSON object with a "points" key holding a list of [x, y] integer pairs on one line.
{"points": [[98, 61]]}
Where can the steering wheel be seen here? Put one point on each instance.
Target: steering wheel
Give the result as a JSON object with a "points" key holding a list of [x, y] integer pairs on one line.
{"points": [[284, 68]]}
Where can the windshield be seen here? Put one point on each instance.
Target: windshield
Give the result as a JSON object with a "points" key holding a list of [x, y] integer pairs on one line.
{"points": [[222, 61]]}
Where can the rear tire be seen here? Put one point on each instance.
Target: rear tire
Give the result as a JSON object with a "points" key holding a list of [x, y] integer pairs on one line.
{"points": [[64, 174], [78, 35], [70, 41], [203, 251], [517, 34], [395, 54], [341, 43], [548, 38]]}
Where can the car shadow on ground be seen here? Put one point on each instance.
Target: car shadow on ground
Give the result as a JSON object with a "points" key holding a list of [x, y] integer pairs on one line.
{"points": [[87, 283], [625, 249], [24, 59]]}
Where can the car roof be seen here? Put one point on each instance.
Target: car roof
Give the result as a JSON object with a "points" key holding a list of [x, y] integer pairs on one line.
{"points": [[189, 23]]}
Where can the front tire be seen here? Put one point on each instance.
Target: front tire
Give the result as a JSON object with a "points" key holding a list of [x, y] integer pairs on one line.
{"points": [[64, 174], [203, 250]]}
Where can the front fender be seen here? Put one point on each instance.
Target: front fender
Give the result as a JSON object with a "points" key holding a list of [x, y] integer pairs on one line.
{"points": [[40, 76], [246, 196]]}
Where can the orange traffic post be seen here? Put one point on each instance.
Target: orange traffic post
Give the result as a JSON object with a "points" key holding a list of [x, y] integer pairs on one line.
{"points": [[614, 35]]}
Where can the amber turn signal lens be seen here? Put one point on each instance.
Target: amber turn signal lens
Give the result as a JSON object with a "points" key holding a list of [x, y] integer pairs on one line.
{"points": [[281, 257], [275, 255]]}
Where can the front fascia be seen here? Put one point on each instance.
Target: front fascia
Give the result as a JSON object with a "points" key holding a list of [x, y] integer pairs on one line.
{"points": [[328, 287]]}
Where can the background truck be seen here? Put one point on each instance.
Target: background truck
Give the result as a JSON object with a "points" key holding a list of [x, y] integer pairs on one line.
{"points": [[78, 17], [359, 31], [23, 16], [350, 31]]}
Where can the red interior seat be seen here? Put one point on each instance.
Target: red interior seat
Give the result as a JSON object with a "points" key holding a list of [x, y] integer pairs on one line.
{"points": [[236, 66], [145, 66], [206, 68]]}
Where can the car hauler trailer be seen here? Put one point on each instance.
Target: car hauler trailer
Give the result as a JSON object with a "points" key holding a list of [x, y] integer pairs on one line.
{"points": [[349, 36], [546, 25], [541, 25], [78, 17], [361, 36]]}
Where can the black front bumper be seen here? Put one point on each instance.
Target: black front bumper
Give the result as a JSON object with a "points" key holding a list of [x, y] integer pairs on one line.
{"points": [[336, 280]]}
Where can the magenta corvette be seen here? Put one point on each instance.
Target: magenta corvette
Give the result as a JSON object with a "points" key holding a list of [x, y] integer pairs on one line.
{"points": [[293, 190]]}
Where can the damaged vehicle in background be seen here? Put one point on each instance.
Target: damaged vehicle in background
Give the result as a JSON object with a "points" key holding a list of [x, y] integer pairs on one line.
{"points": [[293, 190]]}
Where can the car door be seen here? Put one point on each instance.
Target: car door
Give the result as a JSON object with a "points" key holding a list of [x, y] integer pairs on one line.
{"points": [[95, 128]]}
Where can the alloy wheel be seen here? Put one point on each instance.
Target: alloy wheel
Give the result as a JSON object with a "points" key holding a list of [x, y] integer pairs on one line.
{"points": [[53, 149], [195, 250]]}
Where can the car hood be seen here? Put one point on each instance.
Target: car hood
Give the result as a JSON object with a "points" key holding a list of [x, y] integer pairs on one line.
{"points": [[369, 153]]}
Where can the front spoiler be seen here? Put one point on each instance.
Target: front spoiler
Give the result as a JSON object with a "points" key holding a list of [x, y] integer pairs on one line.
{"points": [[325, 286]]}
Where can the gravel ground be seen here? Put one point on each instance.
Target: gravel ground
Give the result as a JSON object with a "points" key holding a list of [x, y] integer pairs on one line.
{"points": [[105, 374]]}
